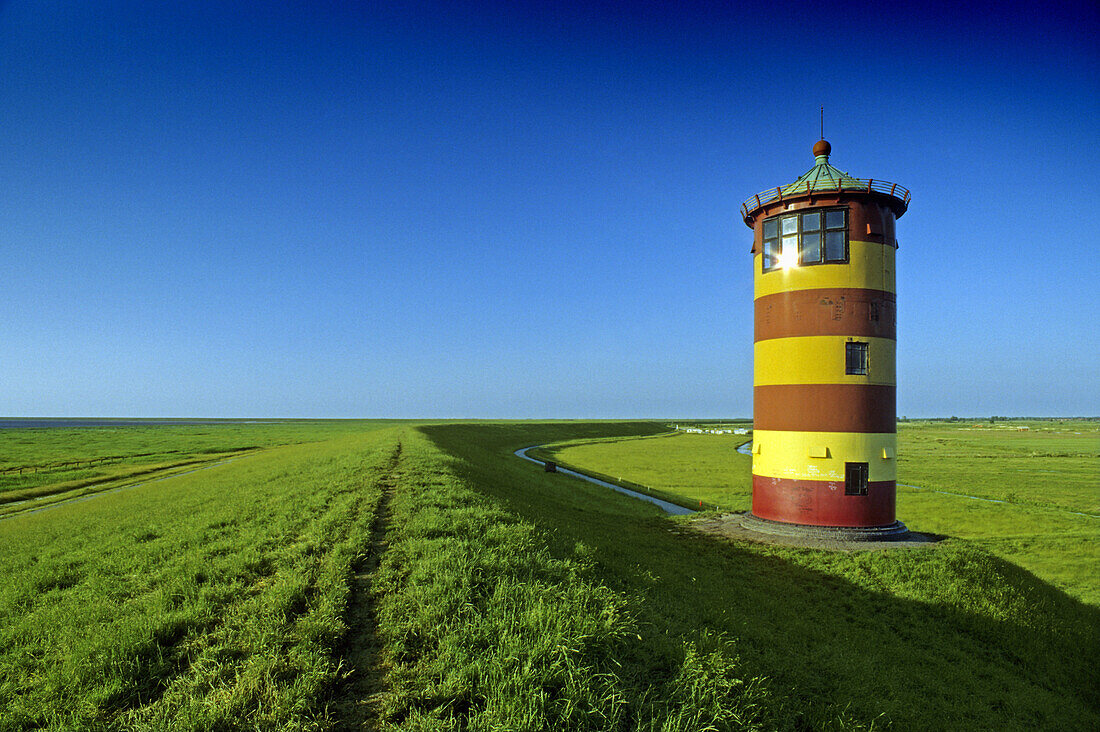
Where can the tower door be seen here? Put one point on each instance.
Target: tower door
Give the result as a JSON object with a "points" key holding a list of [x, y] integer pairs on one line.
{"points": [[855, 479]]}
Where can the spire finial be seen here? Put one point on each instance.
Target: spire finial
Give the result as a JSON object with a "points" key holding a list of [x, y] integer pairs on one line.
{"points": [[821, 147]]}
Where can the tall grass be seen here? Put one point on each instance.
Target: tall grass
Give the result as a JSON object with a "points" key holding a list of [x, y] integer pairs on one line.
{"points": [[485, 629], [949, 638]]}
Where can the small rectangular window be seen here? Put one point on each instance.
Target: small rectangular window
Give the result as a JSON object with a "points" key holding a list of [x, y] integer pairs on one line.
{"points": [[771, 229], [834, 219], [855, 359], [855, 479], [811, 221], [789, 224]]}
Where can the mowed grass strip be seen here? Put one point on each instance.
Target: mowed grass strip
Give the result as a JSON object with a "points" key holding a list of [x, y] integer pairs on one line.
{"points": [[945, 638], [210, 601], [19, 501], [36, 461]]}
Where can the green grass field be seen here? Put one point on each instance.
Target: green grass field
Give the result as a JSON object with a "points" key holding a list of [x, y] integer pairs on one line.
{"points": [[1045, 475], [214, 600], [46, 465], [686, 468], [421, 577], [951, 638]]}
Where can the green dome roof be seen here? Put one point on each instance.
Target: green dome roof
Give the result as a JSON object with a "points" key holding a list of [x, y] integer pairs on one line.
{"points": [[824, 177]]}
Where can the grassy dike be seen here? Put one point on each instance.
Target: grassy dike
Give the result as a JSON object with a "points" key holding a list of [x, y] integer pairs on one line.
{"points": [[950, 638], [424, 578], [486, 627]]}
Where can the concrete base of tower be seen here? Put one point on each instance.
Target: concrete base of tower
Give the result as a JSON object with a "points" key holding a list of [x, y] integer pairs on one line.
{"points": [[893, 532]]}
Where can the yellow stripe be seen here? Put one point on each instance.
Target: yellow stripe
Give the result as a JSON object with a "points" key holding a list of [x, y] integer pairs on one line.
{"points": [[820, 360], [787, 454], [871, 267]]}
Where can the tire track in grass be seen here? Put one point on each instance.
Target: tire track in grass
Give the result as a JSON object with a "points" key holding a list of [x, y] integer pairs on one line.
{"points": [[357, 696]]}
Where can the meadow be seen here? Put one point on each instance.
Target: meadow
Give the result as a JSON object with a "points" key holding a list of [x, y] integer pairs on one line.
{"points": [[680, 467], [421, 577], [45, 465], [1039, 482]]}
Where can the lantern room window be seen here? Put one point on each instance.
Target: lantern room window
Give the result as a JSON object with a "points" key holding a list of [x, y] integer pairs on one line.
{"points": [[819, 236]]}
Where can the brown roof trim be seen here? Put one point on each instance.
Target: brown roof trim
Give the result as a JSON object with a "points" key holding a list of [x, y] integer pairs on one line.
{"points": [[824, 198]]}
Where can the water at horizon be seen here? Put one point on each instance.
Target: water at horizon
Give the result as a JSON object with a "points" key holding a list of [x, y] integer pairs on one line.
{"points": [[69, 422]]}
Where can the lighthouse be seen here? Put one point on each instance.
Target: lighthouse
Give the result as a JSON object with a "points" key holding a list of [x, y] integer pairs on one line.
{"points": [[824, 451]]}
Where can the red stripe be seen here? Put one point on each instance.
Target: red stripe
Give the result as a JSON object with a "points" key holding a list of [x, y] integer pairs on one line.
{"points": [[822, 502]]}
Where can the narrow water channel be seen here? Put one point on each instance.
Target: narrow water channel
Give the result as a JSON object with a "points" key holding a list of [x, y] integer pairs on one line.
{"points": [[669, 508]]}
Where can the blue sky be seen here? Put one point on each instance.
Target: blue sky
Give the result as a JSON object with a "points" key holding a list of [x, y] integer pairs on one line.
{"points": [[513, 210]]}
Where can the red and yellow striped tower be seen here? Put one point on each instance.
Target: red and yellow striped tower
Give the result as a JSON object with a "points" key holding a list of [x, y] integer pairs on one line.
{"points": [[824, 383]]}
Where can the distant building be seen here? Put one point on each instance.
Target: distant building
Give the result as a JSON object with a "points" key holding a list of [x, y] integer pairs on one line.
{"points": [[824, 389]]}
